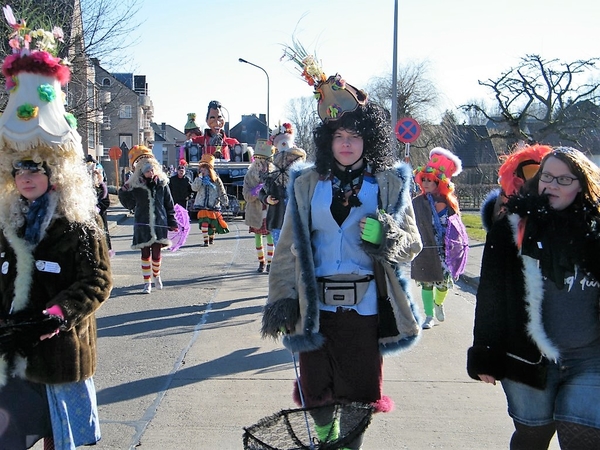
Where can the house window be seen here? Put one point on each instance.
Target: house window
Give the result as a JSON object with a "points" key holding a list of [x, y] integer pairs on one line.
{"points": [[106, 82], [91, 136], [91, 93], [125, 112]]}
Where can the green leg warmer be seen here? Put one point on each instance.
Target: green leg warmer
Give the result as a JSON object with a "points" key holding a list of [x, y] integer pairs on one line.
{"points": [[427, 296], [329, 432], [440, 295]]}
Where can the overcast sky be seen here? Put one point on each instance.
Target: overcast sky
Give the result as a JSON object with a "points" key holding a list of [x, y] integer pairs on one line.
{"points": [[189, 49]]}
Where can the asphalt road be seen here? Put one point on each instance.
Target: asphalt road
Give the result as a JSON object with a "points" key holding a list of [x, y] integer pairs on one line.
{"points": [[185, 367]]}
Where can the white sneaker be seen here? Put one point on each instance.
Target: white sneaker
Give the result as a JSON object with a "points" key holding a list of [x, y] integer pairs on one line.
{"points": [[439, 312], [158, 283], [429, 323], [147, 288]]}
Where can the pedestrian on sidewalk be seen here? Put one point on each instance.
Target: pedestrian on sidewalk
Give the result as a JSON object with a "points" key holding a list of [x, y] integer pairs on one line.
{"points": [[537, 328], [256, 211], [102, 205], [347, 215], [210, 195], [274, 192], [147, 194], [434, 208], [55, 268], [180, 185]]}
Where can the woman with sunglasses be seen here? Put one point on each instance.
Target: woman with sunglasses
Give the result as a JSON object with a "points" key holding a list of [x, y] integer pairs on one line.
{"points": [[537, 327]]}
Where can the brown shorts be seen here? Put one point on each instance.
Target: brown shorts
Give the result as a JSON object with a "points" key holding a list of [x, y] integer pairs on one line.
{"points": [[348, 368]]}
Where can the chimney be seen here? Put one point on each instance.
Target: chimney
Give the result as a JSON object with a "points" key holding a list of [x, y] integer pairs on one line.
{"points": [[163, 126]]}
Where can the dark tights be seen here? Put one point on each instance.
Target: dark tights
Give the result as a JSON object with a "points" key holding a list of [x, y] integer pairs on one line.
{"points": [[571, 436], [531, 438], [154, 249]]}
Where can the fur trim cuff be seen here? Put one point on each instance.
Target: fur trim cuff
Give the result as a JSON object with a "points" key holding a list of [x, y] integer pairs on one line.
{"points": [[283, 313]]}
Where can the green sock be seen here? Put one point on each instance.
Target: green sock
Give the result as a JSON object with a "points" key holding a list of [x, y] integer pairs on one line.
{"points": [[440, 296], [427, 296], [329, 432]]}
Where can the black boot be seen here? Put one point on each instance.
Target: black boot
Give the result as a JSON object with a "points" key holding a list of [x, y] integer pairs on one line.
{"points": [[261, 267], [268, 269]]}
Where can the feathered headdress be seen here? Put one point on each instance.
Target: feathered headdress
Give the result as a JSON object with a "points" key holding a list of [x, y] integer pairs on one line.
{"points": [[335, 97]]}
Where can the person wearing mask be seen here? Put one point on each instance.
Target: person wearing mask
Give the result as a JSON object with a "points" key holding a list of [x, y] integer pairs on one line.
{"points": [[214, 141]]}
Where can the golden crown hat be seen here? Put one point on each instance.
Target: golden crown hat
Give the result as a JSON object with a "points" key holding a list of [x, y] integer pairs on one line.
{"points": [[263, 149], [35, 115], [334, 95], [138, 152]]}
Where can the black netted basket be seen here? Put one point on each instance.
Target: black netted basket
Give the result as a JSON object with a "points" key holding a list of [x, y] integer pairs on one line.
{"points": [[294, 429]]}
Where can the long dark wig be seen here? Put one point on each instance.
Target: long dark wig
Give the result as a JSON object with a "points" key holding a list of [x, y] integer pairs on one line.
{"points": [[372, 123]]}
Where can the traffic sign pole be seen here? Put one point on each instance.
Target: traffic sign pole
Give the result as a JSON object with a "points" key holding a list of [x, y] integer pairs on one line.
{"points": [[407, 131]]}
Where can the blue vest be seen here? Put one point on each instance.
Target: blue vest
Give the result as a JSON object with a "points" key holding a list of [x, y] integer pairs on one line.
{"points": [[337, 250]]}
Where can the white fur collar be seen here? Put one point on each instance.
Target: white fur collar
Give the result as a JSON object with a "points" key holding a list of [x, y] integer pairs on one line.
{"points": [[534, 295]]}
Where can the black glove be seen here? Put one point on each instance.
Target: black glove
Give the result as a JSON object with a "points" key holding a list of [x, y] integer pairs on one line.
{"points": [[21, 331]]}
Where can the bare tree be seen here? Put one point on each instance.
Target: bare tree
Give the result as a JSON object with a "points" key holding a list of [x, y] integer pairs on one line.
{"points": [[106, 24], [542, 98], [417, 94], [475, 116], [108, 27], [302, 113]]}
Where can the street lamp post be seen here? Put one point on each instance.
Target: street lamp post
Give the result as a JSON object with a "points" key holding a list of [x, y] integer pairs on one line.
{"points": [[242, 60]]}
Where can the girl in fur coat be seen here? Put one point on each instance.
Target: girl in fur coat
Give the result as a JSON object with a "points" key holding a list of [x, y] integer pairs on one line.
{"points": [[537, 328], [147, 193]]}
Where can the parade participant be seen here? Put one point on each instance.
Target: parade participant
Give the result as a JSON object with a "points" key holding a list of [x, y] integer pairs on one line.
{"points": [[517, 167], [536, 327], [103, 204], [256, 211], [53, 254], [180, 185], [349, 216], [215, 142], [210, 196], [433, 209], [274, 191], [191, 150], [148, 195]]}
